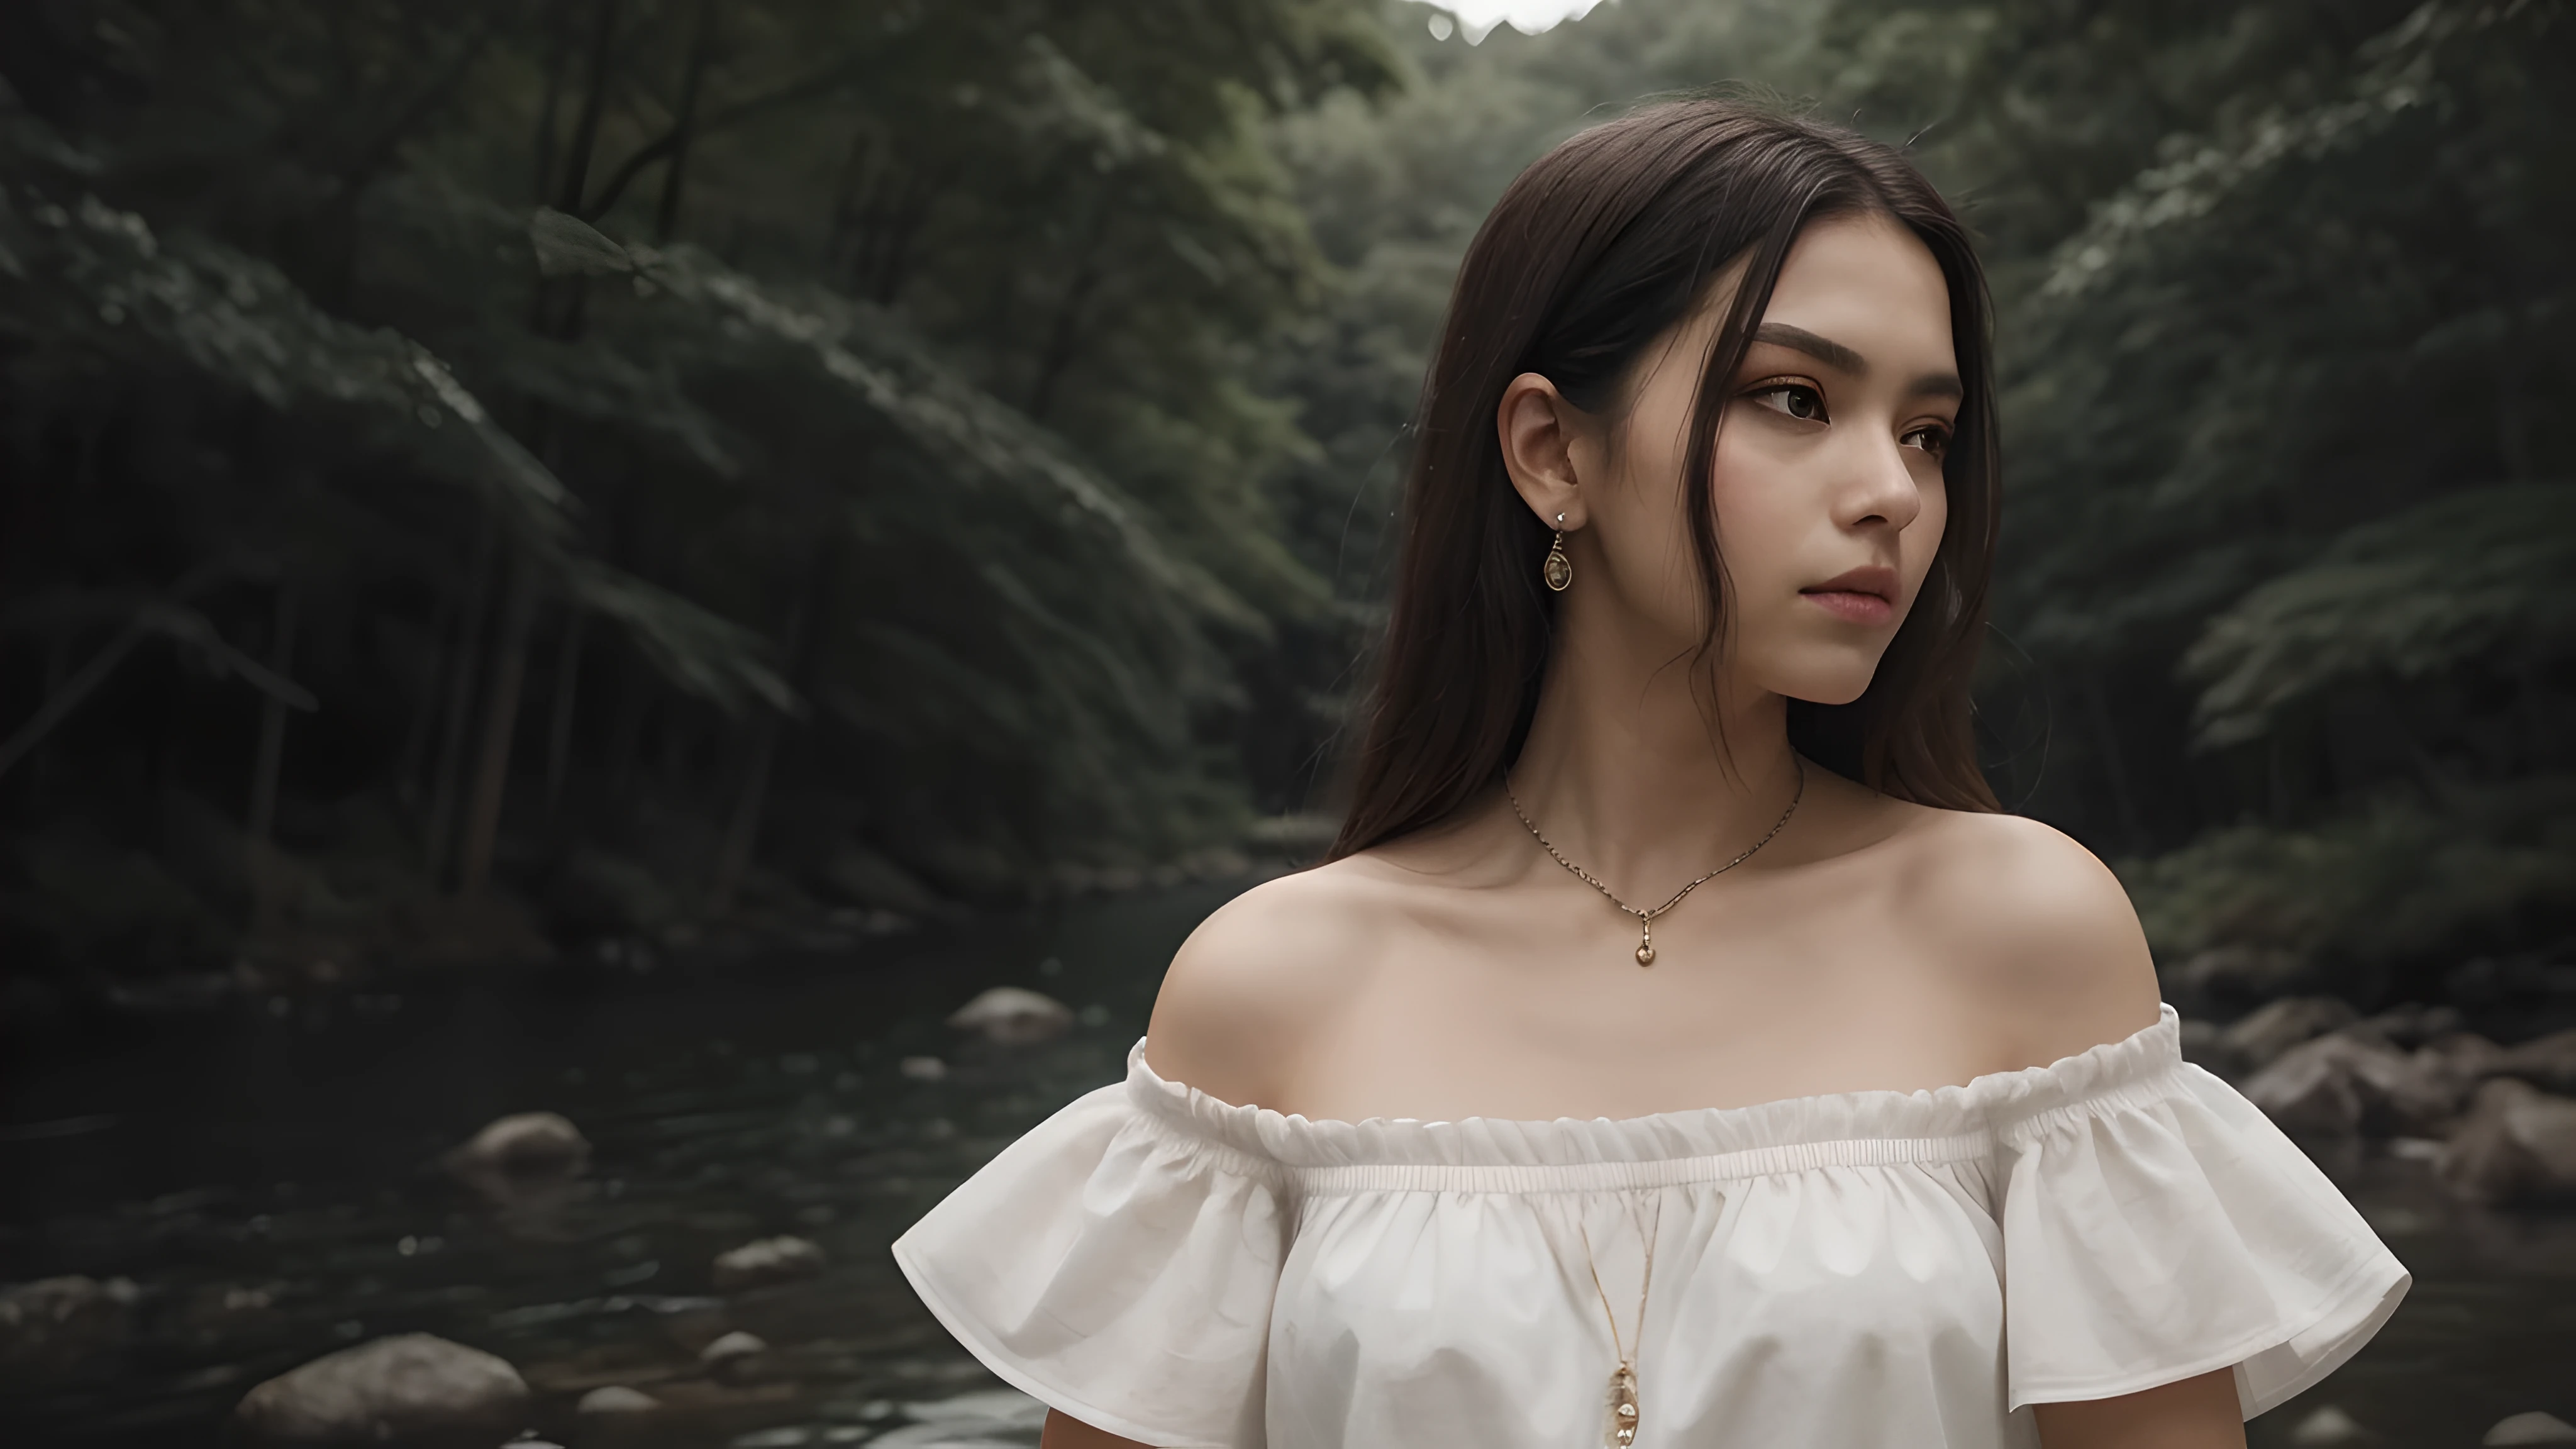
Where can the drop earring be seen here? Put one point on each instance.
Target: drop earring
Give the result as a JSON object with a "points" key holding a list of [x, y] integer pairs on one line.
{"points": [[1558, 570]]}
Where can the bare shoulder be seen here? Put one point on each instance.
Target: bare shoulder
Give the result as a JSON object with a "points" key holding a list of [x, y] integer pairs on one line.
{"points": [[2034, 926], [1257, 980]]}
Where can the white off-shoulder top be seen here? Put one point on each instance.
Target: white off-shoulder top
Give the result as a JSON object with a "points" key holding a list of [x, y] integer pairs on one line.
{"points": [[1873, 1269]]}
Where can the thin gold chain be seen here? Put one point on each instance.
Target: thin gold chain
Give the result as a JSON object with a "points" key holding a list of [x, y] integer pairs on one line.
{"points": [[1645, 1282], [1647, 918]]}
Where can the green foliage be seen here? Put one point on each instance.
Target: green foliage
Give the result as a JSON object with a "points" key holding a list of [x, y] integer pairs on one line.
{"points": [[883, 374], [2276, 281], [2396, 881], [974, 427], [2456, 582]]}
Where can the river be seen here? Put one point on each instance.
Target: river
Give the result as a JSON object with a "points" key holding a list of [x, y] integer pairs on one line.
{"points": [[266, 1176]]}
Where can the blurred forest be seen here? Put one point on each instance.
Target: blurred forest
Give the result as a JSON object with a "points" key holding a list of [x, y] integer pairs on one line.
{"points": [[484, 476]]}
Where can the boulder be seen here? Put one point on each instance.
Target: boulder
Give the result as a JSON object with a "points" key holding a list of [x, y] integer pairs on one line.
{"points": [[2534, 1427], [2413, 1024], [2547, 1062], [2311, 1091], [2228, 974], [409, 1390], [617, 1399], [768, 1261], [2516, 1145], [53, 1325], [2204, 1044], [2354, 1081], [523, 1145], [732, 1352], [2468, 1056], [2261, 1036], [2330, 1425], [1013, 1016]]}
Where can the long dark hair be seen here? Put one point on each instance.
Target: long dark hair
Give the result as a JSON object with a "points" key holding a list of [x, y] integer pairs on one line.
{"points": [[1602, 246]]}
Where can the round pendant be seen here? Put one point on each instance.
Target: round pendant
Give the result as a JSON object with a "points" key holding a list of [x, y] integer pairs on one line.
{"points": [[1645, 955], [1558, 570]]}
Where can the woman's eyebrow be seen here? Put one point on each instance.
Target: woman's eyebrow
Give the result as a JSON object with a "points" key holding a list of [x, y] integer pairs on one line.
{"points": [[1843, 359], [1824, 349]]}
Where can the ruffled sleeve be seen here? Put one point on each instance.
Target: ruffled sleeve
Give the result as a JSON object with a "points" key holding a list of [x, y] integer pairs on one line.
{"points": [[2157, 1226], [1116, 1265]]}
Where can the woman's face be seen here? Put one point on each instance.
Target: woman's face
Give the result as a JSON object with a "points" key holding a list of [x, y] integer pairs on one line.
{"points": [[1827, 483]]}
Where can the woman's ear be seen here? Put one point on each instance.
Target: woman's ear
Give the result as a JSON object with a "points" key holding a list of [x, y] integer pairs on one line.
{"points": [[1539, 431]]}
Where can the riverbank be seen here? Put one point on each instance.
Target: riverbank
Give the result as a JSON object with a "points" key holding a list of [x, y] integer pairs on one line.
{"points": [[252, 1190]]}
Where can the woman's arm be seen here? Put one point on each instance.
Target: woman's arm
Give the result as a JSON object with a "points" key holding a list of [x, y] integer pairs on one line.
{"points": [[1065, 1433], [2199, 1413]]}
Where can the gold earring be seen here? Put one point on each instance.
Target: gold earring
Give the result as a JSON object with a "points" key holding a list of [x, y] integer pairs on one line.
{"points": [[1558, 570]]}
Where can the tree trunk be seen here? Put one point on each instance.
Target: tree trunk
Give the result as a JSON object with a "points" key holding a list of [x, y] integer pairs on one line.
{"points": [[460, 691], [558, 54], [702, 45], [2114, 768], [626, 731], [585, 131], [742, 829], [1064, 334], [567, 692], [424, 712], [63, 701], [500, 725], [40, 766], [272, 722], [264, 771]]}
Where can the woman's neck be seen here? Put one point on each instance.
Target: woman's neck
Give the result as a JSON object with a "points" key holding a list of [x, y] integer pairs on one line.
{"points": [[1624, 770]]}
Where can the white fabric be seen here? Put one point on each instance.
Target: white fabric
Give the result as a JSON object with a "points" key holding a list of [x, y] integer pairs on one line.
{"points": [[1869, 1269]]}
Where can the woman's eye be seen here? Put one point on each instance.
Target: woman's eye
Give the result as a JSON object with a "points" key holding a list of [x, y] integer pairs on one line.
{"points": [[1796, 399], [1933, 440]]}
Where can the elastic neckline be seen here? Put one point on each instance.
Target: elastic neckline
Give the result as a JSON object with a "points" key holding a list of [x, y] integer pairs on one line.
{"points": [[2126, 1072]]}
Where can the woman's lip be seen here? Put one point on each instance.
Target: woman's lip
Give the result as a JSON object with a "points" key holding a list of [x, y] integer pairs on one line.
{"points": [[1852, 606]]}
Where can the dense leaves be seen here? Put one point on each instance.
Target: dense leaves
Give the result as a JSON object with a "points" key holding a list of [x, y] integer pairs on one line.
{"points": [[802, 448], [2285, 540], [793, 447]]}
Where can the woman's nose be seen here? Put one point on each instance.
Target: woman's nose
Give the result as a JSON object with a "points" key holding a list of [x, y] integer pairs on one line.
{"points": [[1881, 486]]}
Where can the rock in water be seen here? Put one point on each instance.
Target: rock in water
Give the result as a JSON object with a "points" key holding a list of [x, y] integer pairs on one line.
{"points": [[527, 1144], [2532, 1428], [2265, 1034], [2516, 1145], [409, 1390], [770, 1260], [528, 1165], [54, 1324], [2354, 1080], [731, 1347], [2548, 1062], [2330, 1425], [2310, 1090], [1013, 1016], [2413, 1024], [617, 1399]]}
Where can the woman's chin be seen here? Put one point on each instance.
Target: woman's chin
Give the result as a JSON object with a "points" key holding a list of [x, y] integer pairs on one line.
{"points": [[1841, 684]]}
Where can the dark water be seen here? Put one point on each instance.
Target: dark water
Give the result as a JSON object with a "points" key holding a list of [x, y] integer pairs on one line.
{"points": [[268, 1183]]}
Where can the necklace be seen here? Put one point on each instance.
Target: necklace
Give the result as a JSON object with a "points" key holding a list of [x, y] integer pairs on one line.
{"points": [[1619, 1421], [1646, 919]]}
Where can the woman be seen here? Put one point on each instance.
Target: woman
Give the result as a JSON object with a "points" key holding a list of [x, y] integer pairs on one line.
{"points": [[1679, 1047]]}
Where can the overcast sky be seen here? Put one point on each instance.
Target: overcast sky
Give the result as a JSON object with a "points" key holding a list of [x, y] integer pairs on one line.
{"points": [[1476, 17]]}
